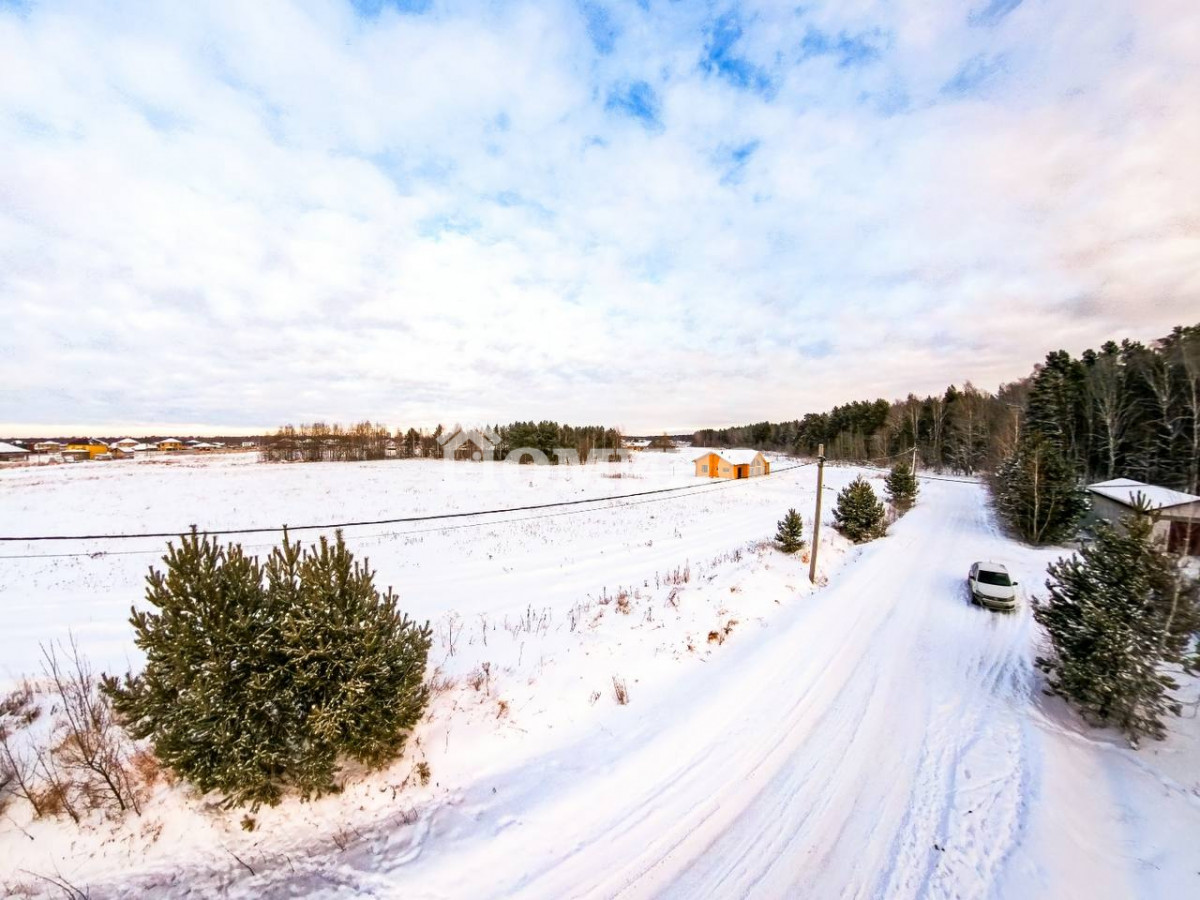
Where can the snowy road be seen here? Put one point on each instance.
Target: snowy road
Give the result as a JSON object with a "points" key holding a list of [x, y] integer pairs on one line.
{"points": [[875, 745]]}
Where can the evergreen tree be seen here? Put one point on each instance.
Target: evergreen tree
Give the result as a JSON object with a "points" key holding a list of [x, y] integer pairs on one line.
{"points": [[901, 486], [1037, 493], [1119, 611], [790, 535], [259, 677], [859, 514], [1057, 407]]}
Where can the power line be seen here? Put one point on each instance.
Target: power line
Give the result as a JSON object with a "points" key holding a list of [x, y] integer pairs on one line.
{"points": [[696, 489], [869, 464], [953, 480], [396, 521]]}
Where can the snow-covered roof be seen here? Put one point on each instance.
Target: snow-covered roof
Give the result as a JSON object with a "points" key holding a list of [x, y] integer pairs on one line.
{"points": [[124, 441], [170, 441], [1125, 491], [739, 456], [11, 448]]}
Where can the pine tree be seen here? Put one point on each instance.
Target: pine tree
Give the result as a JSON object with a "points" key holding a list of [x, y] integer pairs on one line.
{"points": [[859, 514], [258, 678], [901, 486], [1118, 612], [1037, 492], [790, 535]]}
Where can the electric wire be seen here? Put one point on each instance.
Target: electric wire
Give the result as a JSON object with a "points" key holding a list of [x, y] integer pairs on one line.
{"points": [[691, 489]]}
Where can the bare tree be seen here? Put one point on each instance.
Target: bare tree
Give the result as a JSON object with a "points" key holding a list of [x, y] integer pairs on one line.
{"points": [[94, 753], [1111, 403], [1184, 352]]}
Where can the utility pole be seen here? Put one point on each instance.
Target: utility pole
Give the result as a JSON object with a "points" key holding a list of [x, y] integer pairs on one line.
{"points": [[914, 466], [812, 565]]}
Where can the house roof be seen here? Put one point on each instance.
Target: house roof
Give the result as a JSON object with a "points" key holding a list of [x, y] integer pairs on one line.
{"points": [[1125, 491], [11, 448], [738, 456], [170, 441]]}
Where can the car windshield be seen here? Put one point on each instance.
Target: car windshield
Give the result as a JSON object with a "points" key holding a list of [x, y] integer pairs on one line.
{"points": [[999, 579]]}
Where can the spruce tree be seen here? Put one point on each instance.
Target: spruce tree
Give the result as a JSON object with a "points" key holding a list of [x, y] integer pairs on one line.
{"points": [[258, 678], [859, 514], [1037, 492], [901, 486], [790, 535], [1118, 611]]}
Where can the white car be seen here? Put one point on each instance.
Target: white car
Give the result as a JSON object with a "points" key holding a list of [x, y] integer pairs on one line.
{"points": [[990, 586]]}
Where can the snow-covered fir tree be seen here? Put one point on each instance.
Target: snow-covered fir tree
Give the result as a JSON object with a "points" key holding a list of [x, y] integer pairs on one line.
{"points": [[1037, 492], [859, 514], [901, 486], [789, 536], [1119, 612], [259, 677]]}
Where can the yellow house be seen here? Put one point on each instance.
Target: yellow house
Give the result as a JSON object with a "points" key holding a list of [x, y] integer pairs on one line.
{"points": [[170, 444], [738, 463], [91, 447]]}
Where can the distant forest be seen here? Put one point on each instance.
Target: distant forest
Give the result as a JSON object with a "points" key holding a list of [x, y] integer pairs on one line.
{"points": [[1127, 409], [319, 442]]}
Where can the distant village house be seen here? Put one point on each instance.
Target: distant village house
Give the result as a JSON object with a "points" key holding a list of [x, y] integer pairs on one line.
{"points": [[12, 453], [85, 449], [737, 463]]}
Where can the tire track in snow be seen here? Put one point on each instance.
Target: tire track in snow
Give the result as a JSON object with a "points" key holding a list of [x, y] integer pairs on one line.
{"points": [[982, 819]]}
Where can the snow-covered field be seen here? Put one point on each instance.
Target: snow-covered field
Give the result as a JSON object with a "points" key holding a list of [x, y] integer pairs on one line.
{"points": [[875, 737]]}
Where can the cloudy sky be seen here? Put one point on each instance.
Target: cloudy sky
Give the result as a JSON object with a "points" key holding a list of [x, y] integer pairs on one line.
{"points": [[655, 214]]}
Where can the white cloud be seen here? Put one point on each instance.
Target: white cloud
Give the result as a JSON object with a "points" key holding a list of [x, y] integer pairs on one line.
{"points": [[242, 214]]}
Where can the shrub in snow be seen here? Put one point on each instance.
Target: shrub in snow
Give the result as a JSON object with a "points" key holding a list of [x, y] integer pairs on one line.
{"points": [[259, 677], [1037, 492], [790, 535], [859, 514], [77, 763], [901, 487], [1118, 611]]}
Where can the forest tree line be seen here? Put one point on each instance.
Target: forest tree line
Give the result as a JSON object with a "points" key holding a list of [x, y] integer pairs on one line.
{"points": [[1127, 409], [321, 442]]}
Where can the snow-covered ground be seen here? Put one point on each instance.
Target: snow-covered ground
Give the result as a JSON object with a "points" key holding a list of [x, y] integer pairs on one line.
{"points": [[875, 737]]}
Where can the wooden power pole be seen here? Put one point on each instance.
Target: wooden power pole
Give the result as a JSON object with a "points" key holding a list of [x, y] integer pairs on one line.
{"points": [[812, 565]]}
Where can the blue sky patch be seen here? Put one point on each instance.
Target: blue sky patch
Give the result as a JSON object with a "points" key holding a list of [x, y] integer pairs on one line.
{"points": [[601, 29], [734, 159], [849, 49], [973, 75], [21, 6], [992, 13], [638, 100], [721, 59], [370, 9]]}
